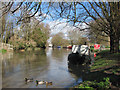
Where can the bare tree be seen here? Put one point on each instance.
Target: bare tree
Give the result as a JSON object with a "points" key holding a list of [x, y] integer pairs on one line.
{"points": [[3, 27], [97, 35], [57, 40], [76, 37], [75, 12]]}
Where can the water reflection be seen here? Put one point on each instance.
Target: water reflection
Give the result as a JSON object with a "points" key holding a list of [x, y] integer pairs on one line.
{"points": [[47, 65], [79, 71]]}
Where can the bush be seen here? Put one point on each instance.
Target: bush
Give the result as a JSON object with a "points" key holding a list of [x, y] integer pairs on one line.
{"points": [[21, 46]]}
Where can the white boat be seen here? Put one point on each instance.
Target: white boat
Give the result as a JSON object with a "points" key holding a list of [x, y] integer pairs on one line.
{"points": [[80, 54], [81, 49]]}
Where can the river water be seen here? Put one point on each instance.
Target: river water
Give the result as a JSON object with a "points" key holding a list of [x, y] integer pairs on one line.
{"points": [[48, 65]]}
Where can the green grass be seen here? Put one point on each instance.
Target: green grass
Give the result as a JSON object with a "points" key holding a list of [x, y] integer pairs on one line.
{"points": [[104, 84], [3, 51], [115, 71], [105, 59], [96, 50], [105, 64], [102, 63], [92, 49], [107, 47]]}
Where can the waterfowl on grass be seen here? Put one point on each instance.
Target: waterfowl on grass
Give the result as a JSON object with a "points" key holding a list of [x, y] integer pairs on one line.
{"points": [[48, 83], [28, 79], [40, 82]]}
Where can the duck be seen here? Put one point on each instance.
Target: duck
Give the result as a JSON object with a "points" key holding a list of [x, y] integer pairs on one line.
{"points": [[48, 83], [28, 79], [40, 82]]}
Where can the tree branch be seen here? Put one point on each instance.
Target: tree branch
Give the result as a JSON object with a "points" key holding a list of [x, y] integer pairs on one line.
{"points": [[17, 7]]}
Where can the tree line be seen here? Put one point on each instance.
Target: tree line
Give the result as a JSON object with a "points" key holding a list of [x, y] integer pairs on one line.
{"points": [[32, 34]]}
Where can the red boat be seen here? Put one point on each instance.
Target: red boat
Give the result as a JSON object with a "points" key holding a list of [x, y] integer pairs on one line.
{"points": [[69, 47]]}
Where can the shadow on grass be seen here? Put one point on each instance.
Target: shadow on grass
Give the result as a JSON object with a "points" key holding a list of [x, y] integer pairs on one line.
{"points": [[106, 64], [109, 56], [84, 72]]}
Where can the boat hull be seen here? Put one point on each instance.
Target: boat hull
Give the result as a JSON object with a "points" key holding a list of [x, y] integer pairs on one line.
{"points": [[75, 58]]}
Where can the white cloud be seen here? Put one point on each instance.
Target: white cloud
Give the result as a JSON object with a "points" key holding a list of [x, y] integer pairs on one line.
{"points": [[60, 26]]}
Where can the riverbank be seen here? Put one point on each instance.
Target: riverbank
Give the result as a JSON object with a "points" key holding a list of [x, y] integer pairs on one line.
{"points": [[104, 73]]}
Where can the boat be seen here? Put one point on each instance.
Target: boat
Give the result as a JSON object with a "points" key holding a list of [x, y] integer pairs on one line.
{"points": [[69, 47], [80, 54], [50, 45], [58, 46]]}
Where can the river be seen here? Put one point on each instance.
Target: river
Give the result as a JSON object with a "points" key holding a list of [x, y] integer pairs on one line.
{"points": [[48, 65]]}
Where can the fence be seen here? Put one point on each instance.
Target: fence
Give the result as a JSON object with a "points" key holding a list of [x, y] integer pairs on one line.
{"points": [[6, 46]]}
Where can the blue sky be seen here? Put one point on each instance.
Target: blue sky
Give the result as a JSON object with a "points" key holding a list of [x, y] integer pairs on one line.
{"points": [[53, 23]]}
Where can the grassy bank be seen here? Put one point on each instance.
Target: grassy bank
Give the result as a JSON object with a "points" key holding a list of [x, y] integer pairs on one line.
{"points": [[105, 83], [107, 61], [106, 69]]}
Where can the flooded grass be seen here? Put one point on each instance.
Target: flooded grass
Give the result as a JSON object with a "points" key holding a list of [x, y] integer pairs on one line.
{"points": [[3, 51]]}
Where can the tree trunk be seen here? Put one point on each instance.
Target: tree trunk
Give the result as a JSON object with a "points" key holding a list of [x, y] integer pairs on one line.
{"points": [[1, 37], [114, 27], [114, 43]]}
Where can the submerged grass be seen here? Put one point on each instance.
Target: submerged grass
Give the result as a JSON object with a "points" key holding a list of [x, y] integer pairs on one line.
{"points": [[3, 51]]}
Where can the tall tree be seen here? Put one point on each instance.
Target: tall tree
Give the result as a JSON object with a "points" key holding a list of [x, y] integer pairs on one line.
{"points": [[3, 27], [77, 12], [57, 39], [76, 37], [8, 31], [40, 34], [96, 34]]}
